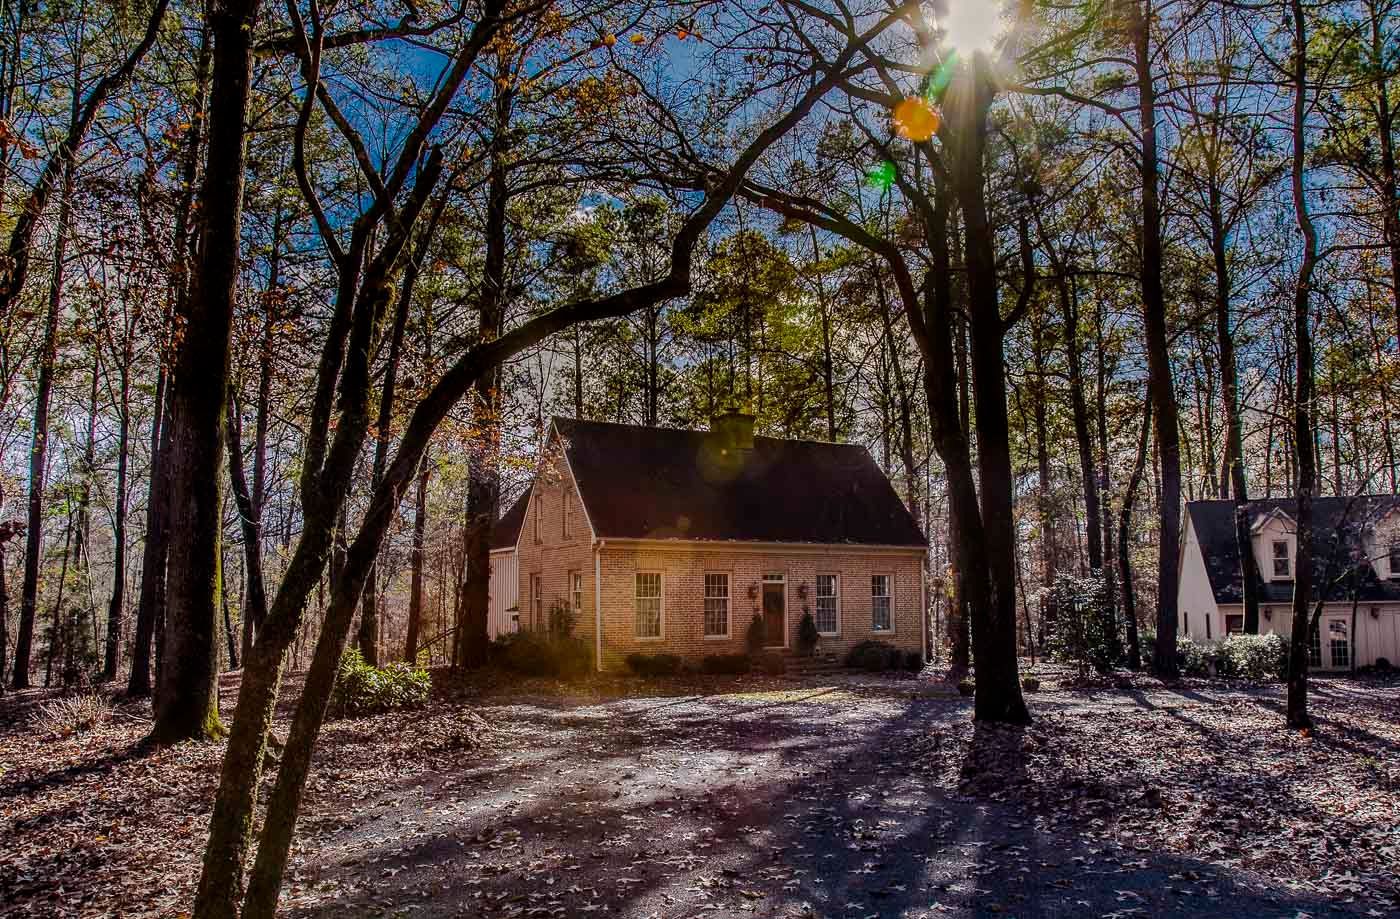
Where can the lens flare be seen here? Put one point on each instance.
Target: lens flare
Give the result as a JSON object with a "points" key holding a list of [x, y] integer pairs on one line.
{"points": [[972, 25], [881, 177], [915, 119]]}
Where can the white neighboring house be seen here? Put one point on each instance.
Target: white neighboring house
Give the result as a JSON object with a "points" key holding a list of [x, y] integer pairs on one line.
{"points": [[1356, 565], [503, 592]]}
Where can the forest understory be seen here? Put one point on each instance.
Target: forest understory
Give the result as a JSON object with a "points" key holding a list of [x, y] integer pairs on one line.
{"points": [[837, 796]]}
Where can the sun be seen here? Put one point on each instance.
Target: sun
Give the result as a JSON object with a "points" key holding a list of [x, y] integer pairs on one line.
{"points": [[972, 25]]}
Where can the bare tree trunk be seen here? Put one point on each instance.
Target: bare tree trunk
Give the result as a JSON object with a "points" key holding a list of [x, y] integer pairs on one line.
{"points": [[187, 705], [415, 590], [1159, 371], [150, 603], [1306, 478], [39, 450], [116, 608]]}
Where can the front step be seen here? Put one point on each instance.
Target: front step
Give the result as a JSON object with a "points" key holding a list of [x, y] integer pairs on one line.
{"points": [[817, 664]]}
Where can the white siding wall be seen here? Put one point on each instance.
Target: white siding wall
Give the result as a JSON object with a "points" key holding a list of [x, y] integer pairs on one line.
{"points": [[1195, 600], [504, 592]]}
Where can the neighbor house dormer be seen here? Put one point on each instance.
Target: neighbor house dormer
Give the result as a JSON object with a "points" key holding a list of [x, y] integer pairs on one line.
{"points": [[1275, 545], [1384, 547]]}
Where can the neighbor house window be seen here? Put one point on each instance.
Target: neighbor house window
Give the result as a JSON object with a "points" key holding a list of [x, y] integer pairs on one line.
{"points": [[1207, 626], [1394, 554], [539, 517], [880, 618], [648, 604], [1337, 643], [568, 517], [1234, 624], [1283, 566], [828, 603], [536, 601], [716, 605], [576, 591]]}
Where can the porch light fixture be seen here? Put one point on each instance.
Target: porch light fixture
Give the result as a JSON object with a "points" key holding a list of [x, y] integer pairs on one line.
{"points": [[1375, 612]]}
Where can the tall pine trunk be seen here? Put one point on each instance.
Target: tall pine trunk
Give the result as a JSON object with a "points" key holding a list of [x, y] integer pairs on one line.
{"points": [[187, 705], [1305, 476], [39, 448], [1159, 371]]}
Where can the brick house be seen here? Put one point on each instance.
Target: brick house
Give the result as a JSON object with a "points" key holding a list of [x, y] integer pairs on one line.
{"points": [[664, 540]]}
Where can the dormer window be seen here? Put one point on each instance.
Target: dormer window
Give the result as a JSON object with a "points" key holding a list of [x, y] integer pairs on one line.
{"points": [[1283, 564], [1394, 555]]}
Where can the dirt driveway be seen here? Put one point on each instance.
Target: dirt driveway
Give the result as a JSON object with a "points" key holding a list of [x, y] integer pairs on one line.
{"points": [[841, 797]]}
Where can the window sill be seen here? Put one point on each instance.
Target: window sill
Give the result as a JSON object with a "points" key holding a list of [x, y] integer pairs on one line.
{"points": [[829, 634], [718, 638], [650, 638]]}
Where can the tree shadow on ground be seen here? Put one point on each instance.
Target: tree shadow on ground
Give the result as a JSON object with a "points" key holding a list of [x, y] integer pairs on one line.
{"points": [[793, 808]]}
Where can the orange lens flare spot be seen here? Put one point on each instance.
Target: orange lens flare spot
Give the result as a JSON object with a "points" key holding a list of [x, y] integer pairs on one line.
{"points": [[915, 119], [639, 39], [609, 40]]}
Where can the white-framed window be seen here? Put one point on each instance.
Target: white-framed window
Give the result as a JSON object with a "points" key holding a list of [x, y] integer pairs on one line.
{"points": [[538, 502], [716, 604], [1337, 643], [576, 591], [828, 612], [1234, 623], [1186, 623], [1283, 564], [568, 508], [881, 619], [1393, 553], [1207, 618], [1315, 647], [648, 604]]}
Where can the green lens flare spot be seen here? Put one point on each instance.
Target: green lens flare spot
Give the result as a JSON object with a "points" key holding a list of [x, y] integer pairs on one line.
{"points": [[881, 177]]}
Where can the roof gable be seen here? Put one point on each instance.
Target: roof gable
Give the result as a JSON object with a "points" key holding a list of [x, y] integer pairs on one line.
{"points": [[506, 531], [666, 483]]}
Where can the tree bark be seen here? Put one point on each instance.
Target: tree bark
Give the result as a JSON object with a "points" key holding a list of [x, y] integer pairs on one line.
{"points": [[39, 449], [1159, 371], [187, 706], [998, 695], [415, 590], [1305, 479]]}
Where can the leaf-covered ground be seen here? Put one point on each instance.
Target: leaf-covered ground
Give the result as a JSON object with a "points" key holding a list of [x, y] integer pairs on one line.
{"points": [[846, 796]]}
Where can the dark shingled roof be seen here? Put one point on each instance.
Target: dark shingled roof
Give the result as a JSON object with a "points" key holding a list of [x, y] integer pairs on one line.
{"points": [[664, 483], [1340, 525], [506, 532]]}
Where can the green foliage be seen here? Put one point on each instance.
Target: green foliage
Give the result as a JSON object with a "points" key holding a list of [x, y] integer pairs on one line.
{"points": [[756, 636], [1249, 657], [1080, 633], [807, 635], [363, 689], [726, 663], [654, 664], [875, 656], [537, 654]]}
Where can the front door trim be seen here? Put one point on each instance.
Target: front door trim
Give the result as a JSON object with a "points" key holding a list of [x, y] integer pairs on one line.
{"points": [[779, 580]]}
